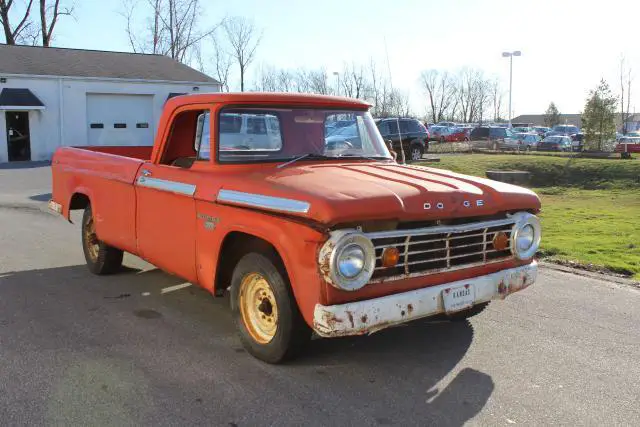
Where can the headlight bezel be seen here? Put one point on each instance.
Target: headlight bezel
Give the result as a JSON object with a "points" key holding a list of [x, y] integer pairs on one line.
{"points": [[331, 251], [524, 219]]}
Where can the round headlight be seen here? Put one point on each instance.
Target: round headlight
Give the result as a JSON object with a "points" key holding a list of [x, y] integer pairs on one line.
{"points": [[525, 236], [351, 261], [347, 260]]}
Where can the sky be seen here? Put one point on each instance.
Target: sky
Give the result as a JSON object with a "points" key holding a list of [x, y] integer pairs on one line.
{"points": [[567, 45]]}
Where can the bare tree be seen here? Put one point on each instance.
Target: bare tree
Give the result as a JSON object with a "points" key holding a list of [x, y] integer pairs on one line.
{"points": [[14, 35], [222, 62], [496, 98], [244, 41], [172, 28], [353, 80], [440, 92], [51, 14], [625, 89]]}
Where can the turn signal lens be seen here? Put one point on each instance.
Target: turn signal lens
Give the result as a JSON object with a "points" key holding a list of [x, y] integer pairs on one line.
{"points": [[390, 257], [500, 241]]}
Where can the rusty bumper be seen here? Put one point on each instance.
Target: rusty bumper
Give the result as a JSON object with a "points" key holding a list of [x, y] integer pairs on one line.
{"points": [[366, 317]]}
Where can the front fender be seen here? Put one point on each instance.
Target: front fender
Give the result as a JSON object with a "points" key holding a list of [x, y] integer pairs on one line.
{"points": [[296, 243]]}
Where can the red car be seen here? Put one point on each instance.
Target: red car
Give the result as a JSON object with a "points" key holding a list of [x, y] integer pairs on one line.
{"points": [[456, 134], [628, 145]]}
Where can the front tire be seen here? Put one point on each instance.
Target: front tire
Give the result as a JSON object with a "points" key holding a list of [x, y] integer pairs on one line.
{"points": [[266, 314], [101, 258]]}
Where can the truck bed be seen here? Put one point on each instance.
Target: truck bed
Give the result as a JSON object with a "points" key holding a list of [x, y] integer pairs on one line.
{"points": [[105, 176]]}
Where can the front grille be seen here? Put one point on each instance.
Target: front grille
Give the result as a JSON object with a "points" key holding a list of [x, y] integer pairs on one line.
{"points": [[439, 249]]}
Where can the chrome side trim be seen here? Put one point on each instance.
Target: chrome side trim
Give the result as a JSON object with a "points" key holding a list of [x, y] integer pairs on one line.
{"points": [[260, 201], [165, 185]]}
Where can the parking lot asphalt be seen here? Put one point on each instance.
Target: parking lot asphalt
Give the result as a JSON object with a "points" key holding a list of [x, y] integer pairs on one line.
{"points": [[77, 349]]}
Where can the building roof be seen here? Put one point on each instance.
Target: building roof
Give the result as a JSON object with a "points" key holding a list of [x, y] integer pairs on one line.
{"points": [[569, 119], [54, 61], [538, 119]]}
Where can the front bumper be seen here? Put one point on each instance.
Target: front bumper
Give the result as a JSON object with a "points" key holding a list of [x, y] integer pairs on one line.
{"points": [[368, 316]]}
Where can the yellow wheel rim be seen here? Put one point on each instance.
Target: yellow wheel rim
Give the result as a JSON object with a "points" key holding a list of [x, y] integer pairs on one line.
{"points": [[91, 239], [258, 308]]}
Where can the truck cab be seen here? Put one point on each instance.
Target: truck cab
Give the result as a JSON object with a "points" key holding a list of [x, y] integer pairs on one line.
{"points": [[242, 193]]}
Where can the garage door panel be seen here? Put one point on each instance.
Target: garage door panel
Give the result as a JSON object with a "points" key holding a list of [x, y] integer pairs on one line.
{"points": [[115, 119]]}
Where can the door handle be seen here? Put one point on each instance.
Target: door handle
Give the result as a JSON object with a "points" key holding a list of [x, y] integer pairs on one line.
{"points": [[146, 172]]}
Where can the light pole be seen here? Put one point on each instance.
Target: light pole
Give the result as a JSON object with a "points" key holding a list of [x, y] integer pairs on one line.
{"points": [[337, 74], [510, 55]]}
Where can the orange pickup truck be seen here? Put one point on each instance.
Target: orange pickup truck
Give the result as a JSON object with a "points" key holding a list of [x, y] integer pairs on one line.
{"points": [[246, 193]]}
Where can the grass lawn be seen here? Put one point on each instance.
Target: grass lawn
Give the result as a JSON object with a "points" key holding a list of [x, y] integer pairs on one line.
{"points": [[590, 207]]}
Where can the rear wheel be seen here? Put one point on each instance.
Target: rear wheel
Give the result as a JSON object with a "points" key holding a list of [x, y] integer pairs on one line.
{"points": [[267, 316], [101, 258], [416, 153]]}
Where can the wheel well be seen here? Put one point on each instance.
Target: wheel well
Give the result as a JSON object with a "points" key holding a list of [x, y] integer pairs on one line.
{"points": [[79, 201], [234, 246]]}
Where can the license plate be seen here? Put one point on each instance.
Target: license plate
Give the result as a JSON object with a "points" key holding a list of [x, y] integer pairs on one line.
{"points": [[458, 298]]}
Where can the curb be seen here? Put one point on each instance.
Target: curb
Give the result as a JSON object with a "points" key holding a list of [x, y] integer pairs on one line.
{"points": [[591, 274]]}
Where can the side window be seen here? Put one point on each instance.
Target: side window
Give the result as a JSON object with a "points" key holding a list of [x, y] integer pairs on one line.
{"points": [[203, 140], [393, 127], [405, 126], [256, 125], [383, 127], [188, 129]]}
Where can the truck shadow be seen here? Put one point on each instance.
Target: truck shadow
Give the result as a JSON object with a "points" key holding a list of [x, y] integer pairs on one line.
{"points": [[405, 375]]}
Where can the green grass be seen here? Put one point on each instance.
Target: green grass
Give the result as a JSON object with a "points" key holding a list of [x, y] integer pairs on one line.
{"points": [[590, 174], [590, 208]]}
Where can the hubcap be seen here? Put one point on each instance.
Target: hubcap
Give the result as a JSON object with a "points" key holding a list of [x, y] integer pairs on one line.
{"points": [[416, 154], [258, 308], [91, 239]]}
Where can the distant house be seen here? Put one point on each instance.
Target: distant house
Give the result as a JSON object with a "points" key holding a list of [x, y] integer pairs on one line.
{"points": [[633, 122], [538, 119], [51, 97]]}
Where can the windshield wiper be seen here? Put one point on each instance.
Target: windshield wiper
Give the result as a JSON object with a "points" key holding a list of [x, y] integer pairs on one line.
{"points": [[304, 156], [359, 156]]}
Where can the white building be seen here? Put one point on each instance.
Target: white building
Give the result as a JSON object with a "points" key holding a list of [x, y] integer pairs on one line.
{"points": [[52, 97]]}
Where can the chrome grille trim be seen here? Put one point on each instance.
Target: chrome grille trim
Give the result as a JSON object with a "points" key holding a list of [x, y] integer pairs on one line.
{"points": [[438, 249]]}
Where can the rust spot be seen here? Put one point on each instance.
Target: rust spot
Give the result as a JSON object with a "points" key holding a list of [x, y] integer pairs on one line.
{"points": [[350, 318], [410, 308], [502, 288], [364, 319], [331, 320]]}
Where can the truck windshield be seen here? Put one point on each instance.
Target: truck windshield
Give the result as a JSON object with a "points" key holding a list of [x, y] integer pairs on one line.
{"points": [[280, 134]]}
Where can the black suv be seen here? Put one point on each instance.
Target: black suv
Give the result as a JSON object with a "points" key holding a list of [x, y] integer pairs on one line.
{"points": [[415, 137], [492, 137]]}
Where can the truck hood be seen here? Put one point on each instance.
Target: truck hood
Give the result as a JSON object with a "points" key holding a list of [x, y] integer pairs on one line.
{"points": [[343, 192]]}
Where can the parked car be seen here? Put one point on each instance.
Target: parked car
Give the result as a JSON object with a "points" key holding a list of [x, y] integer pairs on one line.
{"points": [[491, 137], [628, 144], [446, 124], [302, 239], [563, 130], [556, 143], [527, 141], [522, 129], [452, 134], [413, 135], [541, 130], [436, 132]]}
